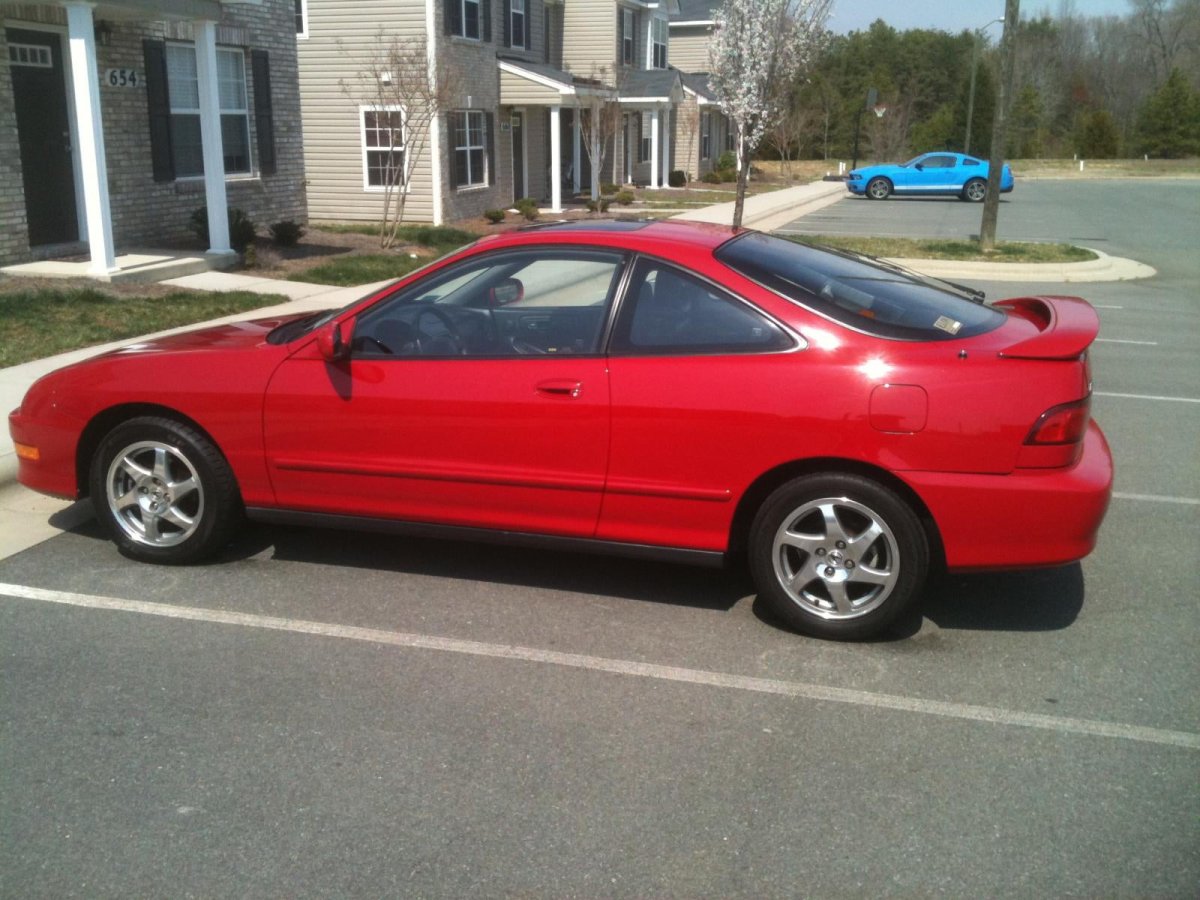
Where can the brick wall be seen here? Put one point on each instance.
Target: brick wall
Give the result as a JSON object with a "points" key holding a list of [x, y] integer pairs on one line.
{"points": [[149, 213], [14, 237]]}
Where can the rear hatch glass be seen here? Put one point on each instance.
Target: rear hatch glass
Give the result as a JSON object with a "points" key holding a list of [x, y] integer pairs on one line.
{"points": [[863, 294]]}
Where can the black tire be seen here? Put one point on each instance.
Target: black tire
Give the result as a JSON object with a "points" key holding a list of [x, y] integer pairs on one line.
{"points": [[163, 491], [878, 188], [873, 557], [974, 191]]}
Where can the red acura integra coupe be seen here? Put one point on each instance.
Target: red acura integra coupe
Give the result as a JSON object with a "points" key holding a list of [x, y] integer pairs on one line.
{"points": [[666, 390]]}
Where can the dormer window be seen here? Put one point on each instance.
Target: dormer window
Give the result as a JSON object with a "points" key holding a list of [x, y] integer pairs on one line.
{"points": [[658, 37]]}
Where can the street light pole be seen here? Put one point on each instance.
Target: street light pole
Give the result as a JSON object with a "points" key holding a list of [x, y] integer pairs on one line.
{"points": [[976, 36]]}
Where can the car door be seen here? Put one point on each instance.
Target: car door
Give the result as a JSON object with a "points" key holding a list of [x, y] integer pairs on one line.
{"points": [[476, 397], [935, 176]]}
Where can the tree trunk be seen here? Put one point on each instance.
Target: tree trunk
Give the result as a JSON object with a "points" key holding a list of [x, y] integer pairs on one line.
{"points": [[991, 201], [743, 179]]}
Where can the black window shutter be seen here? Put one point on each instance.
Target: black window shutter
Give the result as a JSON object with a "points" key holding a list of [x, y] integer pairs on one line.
{"points": [[454, 22], [485, 11], [506, 13], [620, 35], [452, 125], [154, 54], [489, 127], [264, 117]]}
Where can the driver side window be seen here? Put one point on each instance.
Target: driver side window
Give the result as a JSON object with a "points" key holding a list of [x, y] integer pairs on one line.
{"points": [[534, 302]]}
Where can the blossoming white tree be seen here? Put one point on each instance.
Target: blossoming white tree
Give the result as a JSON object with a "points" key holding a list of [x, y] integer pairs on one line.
{"points": [[758, 49]]}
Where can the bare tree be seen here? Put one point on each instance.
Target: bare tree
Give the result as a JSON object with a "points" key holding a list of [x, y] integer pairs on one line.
{"points": [[404, 94], [689, 124], [599, 120], [758, 49]]}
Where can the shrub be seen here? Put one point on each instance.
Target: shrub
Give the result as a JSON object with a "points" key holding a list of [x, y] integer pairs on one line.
{"points": [[727, 160], [600, 205], [287, 233], [727, 175], [624, 197], [494, 216], [713, 177], [241, 227], [528, 208], [608, 188], [677, 178]]}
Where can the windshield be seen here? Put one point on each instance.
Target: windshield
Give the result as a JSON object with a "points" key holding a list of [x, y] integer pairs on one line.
{"points": [[298, 328], [867, 296]]}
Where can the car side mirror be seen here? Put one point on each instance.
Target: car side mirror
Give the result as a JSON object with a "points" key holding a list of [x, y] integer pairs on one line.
{"points": [[331, 341], [920, 167]]}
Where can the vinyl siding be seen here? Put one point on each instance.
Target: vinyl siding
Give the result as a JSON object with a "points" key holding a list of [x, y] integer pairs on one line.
{"points": [[342, 37], [519, 91], [689, 48], [590, 37]]}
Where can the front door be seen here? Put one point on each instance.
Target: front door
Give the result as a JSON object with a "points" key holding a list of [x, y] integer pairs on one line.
{"points": [[518, 155], [35, 59]]}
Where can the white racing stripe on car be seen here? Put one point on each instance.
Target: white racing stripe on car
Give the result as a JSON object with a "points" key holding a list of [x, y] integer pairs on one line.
{"points": [[1147, 397], [1156, 498], [802, 690]]}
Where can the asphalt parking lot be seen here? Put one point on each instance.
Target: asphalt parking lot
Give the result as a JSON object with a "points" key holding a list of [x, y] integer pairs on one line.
{"points": [[323, 714]]}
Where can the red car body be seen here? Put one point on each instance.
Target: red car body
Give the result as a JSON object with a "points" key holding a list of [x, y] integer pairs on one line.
{"points": [[641, 453]]}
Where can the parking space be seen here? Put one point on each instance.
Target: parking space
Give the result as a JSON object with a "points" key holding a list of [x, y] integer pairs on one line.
{"points": [[320, 713]]}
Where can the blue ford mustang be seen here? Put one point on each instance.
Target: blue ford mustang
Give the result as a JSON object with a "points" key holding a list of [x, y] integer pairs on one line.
{"points": [[929, 173]]}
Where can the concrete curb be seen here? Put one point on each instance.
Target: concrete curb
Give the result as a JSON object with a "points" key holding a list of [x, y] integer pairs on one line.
{"points": [[1104, 268]]}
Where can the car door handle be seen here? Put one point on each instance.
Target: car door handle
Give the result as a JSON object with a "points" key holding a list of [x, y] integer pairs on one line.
{"points": [[561, 388]]}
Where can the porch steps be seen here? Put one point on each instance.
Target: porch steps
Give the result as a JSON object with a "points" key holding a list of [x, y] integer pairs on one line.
{"points": [[133, 267]]}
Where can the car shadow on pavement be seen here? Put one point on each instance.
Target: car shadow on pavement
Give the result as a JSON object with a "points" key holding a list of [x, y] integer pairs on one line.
{"points": [[1037, 600], [633, 579]]}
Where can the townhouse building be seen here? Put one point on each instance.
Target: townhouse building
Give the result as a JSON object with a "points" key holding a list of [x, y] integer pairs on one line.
{"points": [[703, 132], [119, 118]]}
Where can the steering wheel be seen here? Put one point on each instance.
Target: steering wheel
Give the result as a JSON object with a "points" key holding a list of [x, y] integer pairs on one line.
{"points": [[448, 344]]}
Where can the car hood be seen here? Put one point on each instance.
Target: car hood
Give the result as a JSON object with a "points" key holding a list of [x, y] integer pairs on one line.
{"points": [[233, 336]]}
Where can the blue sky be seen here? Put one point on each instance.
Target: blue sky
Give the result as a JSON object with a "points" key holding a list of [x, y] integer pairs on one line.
{"points": [[856, 15]]}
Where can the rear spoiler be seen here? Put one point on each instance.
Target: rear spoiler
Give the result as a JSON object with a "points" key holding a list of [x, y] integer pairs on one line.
{"points": [[1066, 327]]}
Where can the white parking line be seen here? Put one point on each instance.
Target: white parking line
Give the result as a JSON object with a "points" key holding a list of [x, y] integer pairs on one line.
{"points": [[1101, 306], [1157, 498], [803, 690], [1116, 341], [1148, 397]]}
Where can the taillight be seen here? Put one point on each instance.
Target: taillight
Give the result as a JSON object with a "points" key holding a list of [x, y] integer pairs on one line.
{"points": [[1063, 424]]}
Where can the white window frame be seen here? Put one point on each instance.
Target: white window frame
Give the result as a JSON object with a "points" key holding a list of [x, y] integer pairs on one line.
{"points": [[628, 37], [244, 111], [658, 39], [367, 150], [302, 31], [33, 56], [517, 8], [478, 4], [470, 183]]}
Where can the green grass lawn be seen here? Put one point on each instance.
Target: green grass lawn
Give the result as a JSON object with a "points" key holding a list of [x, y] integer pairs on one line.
{"points": [[907, 248], [347, 271], [44, 322], [439, 237]]}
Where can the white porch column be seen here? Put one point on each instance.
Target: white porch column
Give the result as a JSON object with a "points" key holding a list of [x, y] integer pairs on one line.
{"points": [[654, 148], [556, 159], [93, 164], [667, 147], [210, 136], [576, 146]]}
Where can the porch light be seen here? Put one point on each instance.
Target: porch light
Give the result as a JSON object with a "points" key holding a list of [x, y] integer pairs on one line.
{"points": [[103, 32]]}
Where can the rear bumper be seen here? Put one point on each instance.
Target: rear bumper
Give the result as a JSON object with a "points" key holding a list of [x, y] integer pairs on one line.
{"points": [[1028, 518]]}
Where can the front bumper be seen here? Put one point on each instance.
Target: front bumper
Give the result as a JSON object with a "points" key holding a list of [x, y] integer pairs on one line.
{"points": [[55, 437], [1026, 519]]}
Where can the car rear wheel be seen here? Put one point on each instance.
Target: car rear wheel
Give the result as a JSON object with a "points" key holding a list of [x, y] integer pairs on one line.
{"points": [[163, 491], [838, 556], [975, 190], [879, 188]]}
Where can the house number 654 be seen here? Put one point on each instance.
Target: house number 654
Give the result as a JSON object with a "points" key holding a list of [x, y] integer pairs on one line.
{"points": [[122, 78]]}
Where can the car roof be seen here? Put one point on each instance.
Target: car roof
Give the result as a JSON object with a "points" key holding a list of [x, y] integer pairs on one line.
{"points": [[644, 234]]}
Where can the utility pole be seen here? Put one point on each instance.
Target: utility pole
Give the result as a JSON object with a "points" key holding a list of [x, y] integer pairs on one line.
{"points": [[976, 37], [872, 96], [1008, 52]]}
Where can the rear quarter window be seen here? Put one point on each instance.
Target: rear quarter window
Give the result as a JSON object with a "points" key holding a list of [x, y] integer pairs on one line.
{"points": [[856, 292]]}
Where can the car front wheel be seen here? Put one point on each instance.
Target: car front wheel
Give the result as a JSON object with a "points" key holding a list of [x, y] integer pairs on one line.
{"points": [[879, 188], [838, 556], [975, 190], [163, 491]]}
